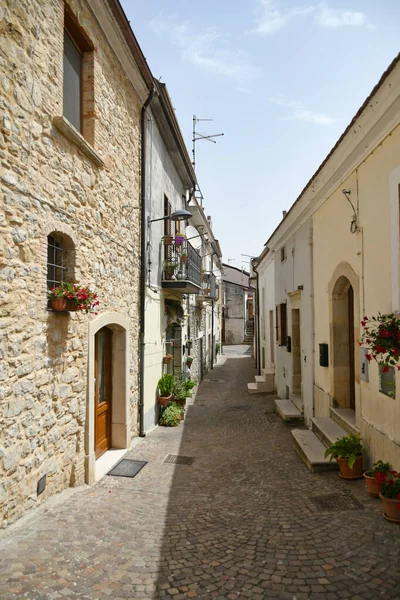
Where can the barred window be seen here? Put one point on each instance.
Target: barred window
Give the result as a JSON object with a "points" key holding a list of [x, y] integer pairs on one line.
{"points": [[60, 259]]}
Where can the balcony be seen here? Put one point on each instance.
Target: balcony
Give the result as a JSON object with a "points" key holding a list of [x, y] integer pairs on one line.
{"points": [[209, 288], [182, 268]]}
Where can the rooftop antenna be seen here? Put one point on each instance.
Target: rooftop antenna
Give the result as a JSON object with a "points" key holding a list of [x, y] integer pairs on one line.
{"points": [[200, 136]]}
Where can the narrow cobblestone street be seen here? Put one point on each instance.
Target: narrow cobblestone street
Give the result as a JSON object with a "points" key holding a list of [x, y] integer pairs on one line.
{"points": [[242, 521]]}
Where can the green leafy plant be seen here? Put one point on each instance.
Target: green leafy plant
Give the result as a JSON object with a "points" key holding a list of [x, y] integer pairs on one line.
{"points": [[346, 447], [217, 348], [169, 266], [391, 486], [378, 469], [382, 336], [80, 298], [171, 415], [166, 385]]}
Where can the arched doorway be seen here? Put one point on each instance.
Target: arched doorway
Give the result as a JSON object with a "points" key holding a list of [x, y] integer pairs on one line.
{"points": [[108, 413], [343, 354]]}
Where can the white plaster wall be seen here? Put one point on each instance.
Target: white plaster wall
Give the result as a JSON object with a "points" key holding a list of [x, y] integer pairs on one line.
{"points": [[266, 281], [296, 271]]}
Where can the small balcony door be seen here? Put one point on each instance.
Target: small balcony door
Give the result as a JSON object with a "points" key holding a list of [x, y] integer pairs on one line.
{"points": [[102, 375]]}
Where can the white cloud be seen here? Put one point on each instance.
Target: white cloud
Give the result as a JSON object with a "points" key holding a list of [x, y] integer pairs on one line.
{"points": [[270, 18], [328, 17], [207, 49], [301, 113]]}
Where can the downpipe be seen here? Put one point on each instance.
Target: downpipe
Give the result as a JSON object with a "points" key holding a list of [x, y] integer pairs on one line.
{"points": [[143, 232]]}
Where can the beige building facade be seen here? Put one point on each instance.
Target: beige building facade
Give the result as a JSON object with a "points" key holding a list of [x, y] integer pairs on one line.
{"points": [[70, 182]]}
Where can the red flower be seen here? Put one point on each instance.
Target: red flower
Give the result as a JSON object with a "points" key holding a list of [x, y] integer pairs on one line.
{"points": [[398, 495], [379, 349], [368, 357], [385, 369]]}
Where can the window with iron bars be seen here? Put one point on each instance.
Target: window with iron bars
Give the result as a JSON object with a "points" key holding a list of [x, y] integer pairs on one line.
{"points": [[56, 261]]}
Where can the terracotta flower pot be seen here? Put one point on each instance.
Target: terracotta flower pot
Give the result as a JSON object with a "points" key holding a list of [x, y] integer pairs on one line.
{"points": [[163, 400], [355, 473], [72, 306], [184, 258], [59, 304], [167, 240], [167, 360], [392, 508], [373, 485]]}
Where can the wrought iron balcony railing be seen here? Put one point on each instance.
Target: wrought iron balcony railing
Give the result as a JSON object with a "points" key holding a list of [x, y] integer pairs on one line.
{"points": [[182, 267]]}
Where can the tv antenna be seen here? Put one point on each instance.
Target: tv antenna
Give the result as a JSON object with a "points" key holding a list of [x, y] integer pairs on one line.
{"points": [[199, 136]]}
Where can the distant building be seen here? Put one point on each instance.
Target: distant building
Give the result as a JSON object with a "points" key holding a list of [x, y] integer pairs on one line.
{"points": [[237, 318]]}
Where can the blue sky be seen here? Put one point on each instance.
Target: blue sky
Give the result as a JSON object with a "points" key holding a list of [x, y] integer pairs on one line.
{"points": [[281, 79]]}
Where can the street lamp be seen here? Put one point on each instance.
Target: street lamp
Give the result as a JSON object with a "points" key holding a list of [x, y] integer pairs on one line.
{"points": [[177, 215]]}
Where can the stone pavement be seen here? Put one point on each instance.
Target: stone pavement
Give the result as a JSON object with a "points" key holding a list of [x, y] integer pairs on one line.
{"points": [[245, 520]]}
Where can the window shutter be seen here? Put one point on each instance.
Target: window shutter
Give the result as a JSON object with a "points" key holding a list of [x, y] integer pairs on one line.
{"points": [[72, 88], [283, 325], [278, 321]]}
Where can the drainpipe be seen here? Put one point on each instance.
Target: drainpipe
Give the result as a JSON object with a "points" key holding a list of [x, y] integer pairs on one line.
{"points": [[212, 316], [258, 358], [143, 235]]}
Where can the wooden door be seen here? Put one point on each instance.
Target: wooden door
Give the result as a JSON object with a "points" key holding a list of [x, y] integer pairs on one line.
{"points": [[351, 348], [102, 373]]}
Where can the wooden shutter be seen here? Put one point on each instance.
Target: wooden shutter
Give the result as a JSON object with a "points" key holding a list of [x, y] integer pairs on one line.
{"points": [[278, 321], [283, 327]]}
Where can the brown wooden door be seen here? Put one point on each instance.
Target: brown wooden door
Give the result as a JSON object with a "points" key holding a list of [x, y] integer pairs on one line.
{"points": [[351, 348], [102, 373]]}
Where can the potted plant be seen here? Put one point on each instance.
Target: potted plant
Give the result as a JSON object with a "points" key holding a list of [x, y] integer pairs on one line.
{"points": [[169, 268], [73, 297], [184, 257], [189, 361], [382, 336], [167, 239], [376, 476], [179, 239], [165, 387], [390, 496], [167, 359], [171, 415], [348, 453]]}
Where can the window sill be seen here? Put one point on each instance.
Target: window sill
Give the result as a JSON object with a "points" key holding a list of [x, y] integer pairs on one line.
{"points": [[69, 131]]}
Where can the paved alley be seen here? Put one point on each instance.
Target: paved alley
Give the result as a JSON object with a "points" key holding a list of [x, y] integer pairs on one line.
{"points": [[245, 520]]}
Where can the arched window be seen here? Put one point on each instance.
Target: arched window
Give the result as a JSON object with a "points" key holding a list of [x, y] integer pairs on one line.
{"points": [[60, 259]]}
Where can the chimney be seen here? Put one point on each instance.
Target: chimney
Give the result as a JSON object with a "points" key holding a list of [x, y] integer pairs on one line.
{"points": [[284, 213]]}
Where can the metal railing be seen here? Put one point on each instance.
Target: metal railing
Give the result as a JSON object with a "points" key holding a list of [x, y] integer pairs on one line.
{"points": [[182, 262]]}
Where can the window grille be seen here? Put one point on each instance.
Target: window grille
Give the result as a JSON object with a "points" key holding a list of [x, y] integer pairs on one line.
{"points": [[55, 261]]}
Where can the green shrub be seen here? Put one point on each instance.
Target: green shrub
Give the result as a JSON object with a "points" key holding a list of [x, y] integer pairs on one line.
{"points": [[166, 384], [170, 416]]}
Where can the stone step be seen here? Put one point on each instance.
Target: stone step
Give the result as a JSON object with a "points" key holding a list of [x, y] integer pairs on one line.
{"points": [[287, 410], [265, 383], [327, 430], [346, 417], [252, 388], [268, 371], [312, 451], [297, 401]]}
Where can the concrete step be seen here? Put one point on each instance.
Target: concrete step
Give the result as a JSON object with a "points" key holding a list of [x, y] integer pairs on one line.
{"points": [[287, 410], [346, 418], [312, 451], [252, 388], [265, 383], [297, 401], [327, 430], [268, 371]]}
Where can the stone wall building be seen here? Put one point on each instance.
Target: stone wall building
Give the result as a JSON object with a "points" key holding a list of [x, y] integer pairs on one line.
{"points": [[73, 83], [237, 313]]}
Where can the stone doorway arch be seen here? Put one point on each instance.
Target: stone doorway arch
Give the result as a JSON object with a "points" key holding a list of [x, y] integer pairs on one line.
{"points": [[118, 325], [344, 332]]}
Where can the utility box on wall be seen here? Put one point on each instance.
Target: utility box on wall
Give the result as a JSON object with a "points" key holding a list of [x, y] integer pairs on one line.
{"points": [[323, 355], [364, 365]]}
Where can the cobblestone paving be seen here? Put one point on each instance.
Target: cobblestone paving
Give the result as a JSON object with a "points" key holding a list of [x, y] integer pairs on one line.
{"points": [[240, 522]]}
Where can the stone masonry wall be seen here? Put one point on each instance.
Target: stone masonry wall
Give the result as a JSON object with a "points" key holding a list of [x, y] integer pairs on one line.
{"points": [[48, 184]]}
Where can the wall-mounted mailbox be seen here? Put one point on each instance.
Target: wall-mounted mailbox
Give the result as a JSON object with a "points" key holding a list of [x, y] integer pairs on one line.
{"points": [[364, 365], [288, 344], [323, 355]]}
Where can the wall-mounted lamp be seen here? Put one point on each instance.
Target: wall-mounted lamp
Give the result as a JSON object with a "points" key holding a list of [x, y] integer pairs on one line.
{"points": [[354, 224], [178, 215]]}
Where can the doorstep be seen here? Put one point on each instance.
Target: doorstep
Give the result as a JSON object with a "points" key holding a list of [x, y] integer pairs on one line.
{"points": [[107, 461]]}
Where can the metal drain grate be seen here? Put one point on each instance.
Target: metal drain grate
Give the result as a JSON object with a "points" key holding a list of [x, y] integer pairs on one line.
{"points": [[237, 408], [175, 459], [214, 380], [337, 502]]}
